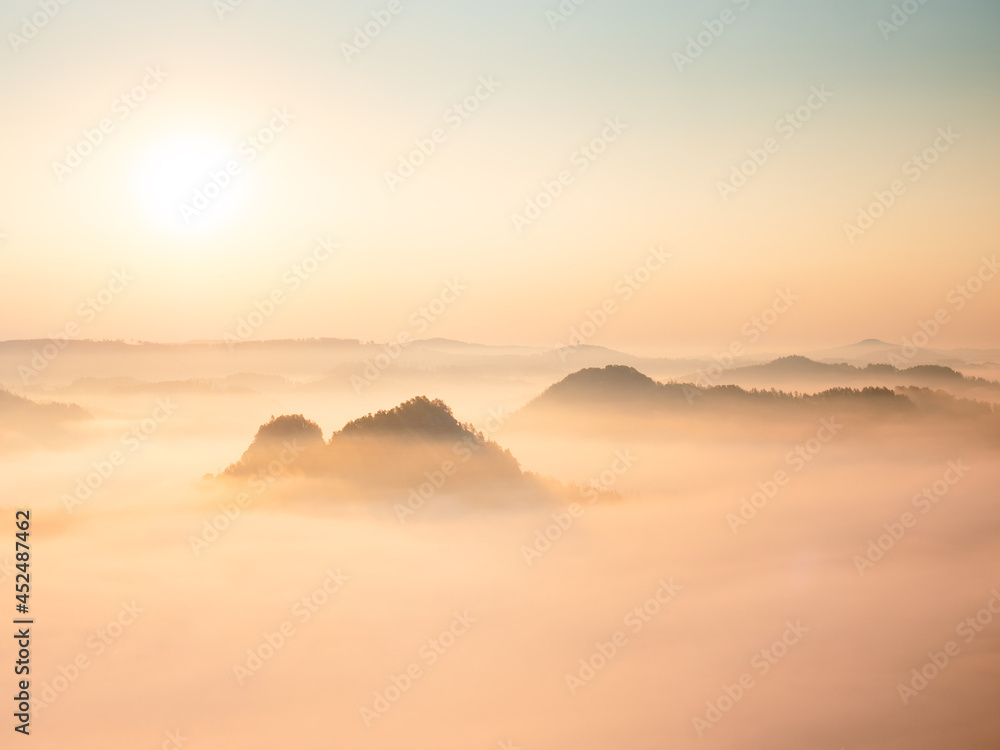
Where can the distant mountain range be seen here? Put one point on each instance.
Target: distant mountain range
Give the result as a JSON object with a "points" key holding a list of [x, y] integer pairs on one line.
{"points": [[801, 373], [621, 400], [619, 386], [874, 351], [332, 362]]}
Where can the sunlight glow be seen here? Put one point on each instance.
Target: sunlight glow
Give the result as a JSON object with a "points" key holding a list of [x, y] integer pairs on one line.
{"points": [[190, 184]]}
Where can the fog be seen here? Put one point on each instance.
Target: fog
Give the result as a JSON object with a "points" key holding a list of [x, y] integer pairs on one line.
{"points": [[288, 607]]}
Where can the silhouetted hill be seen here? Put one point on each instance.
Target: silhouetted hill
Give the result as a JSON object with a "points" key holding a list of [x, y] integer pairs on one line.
{"points": [[273, 438], [629, 388], [875, 351], [418, 417], [620, 400], [19, 412], [797, 364], [935, 372], [418, 443], [612, 382], [873, 343], [25, 423], [796, 372]]}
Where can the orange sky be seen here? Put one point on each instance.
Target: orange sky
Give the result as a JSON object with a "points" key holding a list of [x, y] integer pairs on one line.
{"points": [[488, 112]]}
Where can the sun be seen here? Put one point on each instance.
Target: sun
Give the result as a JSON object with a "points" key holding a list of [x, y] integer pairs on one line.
{"points": [[190, 183]]}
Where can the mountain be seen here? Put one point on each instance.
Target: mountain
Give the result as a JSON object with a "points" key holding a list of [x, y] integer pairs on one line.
{"points": [[314, 364], [625, 387], [620, 400], [417, 418], [330, 364], [610, 383], [18, 412], [802, 373], [23, 421], [875, 351], [417, 445]]}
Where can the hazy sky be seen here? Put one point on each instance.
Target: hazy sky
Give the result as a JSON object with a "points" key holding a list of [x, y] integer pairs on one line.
{"points": [[210, 77]]}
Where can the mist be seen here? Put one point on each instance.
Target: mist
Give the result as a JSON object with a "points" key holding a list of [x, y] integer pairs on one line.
{"points": [[731, 575]]}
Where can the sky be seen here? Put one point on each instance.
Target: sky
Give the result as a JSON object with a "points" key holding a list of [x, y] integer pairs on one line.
{"points": [[501, 171]]}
